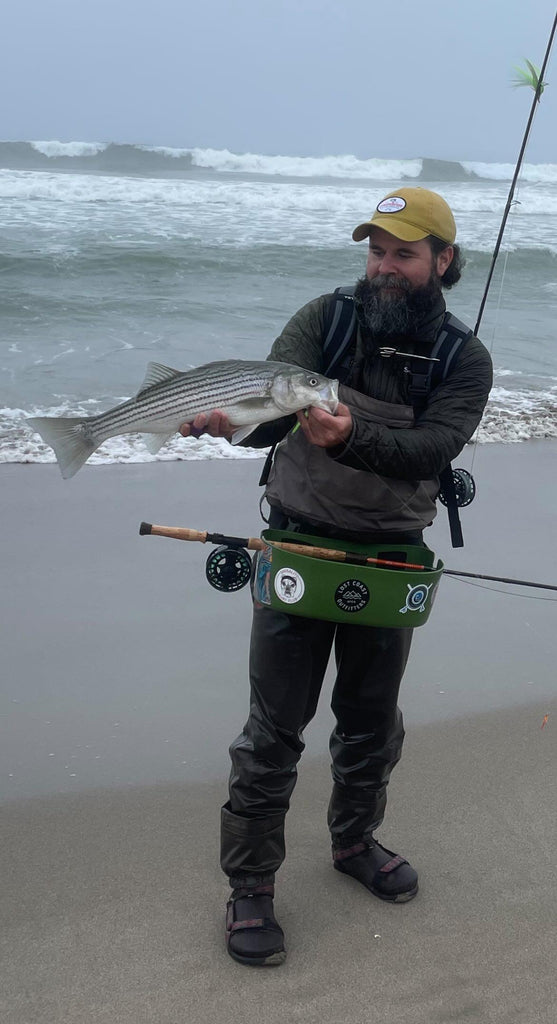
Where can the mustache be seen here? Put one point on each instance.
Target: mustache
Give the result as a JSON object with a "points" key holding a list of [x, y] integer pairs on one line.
{"points": [[388, 281]]}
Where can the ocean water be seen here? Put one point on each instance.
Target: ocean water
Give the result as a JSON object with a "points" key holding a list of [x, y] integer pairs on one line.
{"points": [[113, 256]]}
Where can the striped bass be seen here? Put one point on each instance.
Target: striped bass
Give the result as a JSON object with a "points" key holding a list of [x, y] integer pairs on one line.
{"points": [[248, 392]]}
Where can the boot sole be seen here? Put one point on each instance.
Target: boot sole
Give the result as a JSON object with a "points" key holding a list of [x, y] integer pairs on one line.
{"points": [[399, 897], [396, 897], [273, 960]]}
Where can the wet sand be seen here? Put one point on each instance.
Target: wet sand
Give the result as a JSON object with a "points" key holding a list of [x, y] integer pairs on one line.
{"points": [[113, 901], [123, 682]]}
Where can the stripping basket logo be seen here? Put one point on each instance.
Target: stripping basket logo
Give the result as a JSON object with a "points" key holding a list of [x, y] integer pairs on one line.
{"points": [[351, 596], [416, 598], [289, 586]]}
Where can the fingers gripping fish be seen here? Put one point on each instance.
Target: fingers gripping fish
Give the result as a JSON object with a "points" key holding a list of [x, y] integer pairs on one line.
{"points": [[248, 392]]}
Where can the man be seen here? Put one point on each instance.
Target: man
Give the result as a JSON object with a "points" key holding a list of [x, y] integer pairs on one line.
{"points": [[368, 473]]}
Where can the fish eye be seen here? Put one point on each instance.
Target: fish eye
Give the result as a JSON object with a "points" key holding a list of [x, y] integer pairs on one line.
{"points": [[313, 382]]}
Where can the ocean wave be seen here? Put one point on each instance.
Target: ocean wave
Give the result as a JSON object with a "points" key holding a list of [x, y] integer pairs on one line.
{"points": [[504, 172], [69, 149], [56, 211], [307, 167], [518, 415], [142, 159]]}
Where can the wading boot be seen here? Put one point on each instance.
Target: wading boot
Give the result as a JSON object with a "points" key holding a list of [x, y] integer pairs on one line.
{"points": [[386, 874], [253, 935]]}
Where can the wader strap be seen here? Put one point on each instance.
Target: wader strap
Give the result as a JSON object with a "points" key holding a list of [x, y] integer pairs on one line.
{"points": [[452, 336], [446, 481], [267, 467], [340, 329]]}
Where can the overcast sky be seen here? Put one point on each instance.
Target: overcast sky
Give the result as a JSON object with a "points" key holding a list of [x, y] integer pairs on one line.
{"points": [[293, 77]]}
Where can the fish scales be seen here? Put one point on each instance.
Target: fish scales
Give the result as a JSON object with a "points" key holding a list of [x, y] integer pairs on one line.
{"points": [[187, 385], [153, 406]]}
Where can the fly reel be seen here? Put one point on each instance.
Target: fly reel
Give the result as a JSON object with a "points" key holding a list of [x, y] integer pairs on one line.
{"points": [[228, 568], [465, 488]]}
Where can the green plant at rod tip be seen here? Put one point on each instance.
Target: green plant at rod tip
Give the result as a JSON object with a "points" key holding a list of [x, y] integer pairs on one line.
{"points": [[529, 77]]}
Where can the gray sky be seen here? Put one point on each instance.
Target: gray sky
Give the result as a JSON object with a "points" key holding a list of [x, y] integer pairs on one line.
{"points": [[290, 77]]}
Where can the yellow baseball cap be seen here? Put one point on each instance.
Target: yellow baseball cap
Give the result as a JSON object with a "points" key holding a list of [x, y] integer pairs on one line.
{"points": [[411, 214]]}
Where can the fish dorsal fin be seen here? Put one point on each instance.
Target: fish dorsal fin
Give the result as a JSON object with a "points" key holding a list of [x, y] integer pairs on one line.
{"points": [[157, 373]]}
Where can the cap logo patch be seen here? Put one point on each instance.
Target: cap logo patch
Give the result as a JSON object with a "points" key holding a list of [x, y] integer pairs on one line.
{"points": [[391, 205]]}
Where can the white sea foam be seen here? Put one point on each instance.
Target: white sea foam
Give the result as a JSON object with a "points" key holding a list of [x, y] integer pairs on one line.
{"points": [[504, 172], [169, 151], [307, 167], [510, 416], [59, 208], [54, 148], [518, 415], [24, 445]]}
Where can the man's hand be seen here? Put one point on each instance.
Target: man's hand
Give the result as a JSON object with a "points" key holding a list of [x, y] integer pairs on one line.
{"points": [[215, 423], [325, 430]]}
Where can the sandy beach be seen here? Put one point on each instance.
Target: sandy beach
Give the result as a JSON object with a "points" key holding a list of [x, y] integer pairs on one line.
{"points": [[124, 680]]}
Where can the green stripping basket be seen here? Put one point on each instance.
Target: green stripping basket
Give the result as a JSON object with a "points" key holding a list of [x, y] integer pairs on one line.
{"points": [[368, 595]]}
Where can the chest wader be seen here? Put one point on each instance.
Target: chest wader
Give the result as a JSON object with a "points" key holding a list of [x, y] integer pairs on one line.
{"points": [[288, 659]]}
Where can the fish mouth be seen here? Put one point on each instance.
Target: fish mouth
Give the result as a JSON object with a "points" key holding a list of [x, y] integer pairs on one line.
{"points": [[328, 396]]}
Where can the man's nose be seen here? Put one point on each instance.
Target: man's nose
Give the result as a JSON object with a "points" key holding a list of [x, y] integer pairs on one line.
{"points": [[388, 264]]}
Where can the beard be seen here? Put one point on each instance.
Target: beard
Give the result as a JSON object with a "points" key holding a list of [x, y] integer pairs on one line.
{"points": [[390, 306]]}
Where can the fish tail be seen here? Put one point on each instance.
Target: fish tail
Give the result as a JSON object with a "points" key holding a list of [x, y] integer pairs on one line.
{"points": [[66, 436]]}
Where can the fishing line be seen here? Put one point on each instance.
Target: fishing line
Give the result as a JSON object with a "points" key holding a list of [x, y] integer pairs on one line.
{"points": [[475, 442], [542, 640], [402, 504]]}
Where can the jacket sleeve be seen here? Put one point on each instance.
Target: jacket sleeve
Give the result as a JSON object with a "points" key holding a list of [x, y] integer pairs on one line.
{"points": [[453, 412], [300, 343]]}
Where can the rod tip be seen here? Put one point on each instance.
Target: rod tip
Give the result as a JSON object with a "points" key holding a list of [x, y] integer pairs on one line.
{"points": [[145, 528]]}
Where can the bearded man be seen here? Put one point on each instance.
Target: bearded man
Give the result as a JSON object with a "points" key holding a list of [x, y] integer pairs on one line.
{"points": [[369, 473]]}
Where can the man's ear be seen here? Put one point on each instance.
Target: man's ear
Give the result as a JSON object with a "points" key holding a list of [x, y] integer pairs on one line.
{"points": [[444, 260]]}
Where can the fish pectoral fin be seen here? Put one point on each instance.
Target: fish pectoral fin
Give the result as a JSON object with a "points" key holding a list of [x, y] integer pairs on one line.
{"points": [[154, 442], [243, 432], [157, 373]]}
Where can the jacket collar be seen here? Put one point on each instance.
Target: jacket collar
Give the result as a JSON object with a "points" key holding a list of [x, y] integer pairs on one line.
{"points": [[429, 327]]}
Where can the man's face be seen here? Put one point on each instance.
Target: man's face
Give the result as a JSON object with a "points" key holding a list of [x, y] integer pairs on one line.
{"points": [[402, 284], [413, 261]]}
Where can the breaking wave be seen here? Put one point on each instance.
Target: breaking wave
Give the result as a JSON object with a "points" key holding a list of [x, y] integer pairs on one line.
{"points": [[125, 158]]}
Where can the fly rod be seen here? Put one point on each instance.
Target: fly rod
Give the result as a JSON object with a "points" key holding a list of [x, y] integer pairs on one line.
{"points": [[330, 554], [256, 544], [539, 87], [498, 579]]}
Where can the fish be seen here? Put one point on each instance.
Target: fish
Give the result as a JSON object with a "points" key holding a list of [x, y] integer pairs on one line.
{"points": [[248, 391]]}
